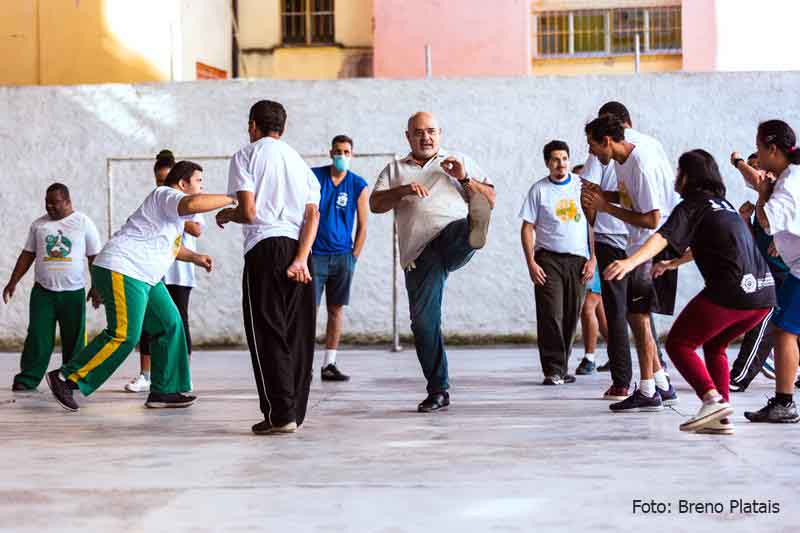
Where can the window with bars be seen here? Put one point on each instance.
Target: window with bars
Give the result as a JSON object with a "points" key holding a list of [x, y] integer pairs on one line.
{"points": [[603, 32], [307, 22]]}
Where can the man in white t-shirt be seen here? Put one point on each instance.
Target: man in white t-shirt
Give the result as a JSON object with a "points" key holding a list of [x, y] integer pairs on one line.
{"points": [[556, 241], [57, 244], [611, 242], [644, 199], [127, 273], [443, 202], [278, 208]]}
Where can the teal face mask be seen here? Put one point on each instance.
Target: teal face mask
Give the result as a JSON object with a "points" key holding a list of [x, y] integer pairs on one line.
{"points": [[341, 163]]}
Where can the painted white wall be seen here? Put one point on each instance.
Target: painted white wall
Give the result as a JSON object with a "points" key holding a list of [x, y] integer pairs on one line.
{"points": [[67, 134], [205, 35], [757, 35]]}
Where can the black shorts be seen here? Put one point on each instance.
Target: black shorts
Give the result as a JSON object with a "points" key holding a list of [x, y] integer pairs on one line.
{"points": [[647, 295]]}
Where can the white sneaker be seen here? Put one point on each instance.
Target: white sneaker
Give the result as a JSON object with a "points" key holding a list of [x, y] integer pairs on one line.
{"points": [[138, 384], [708, 413], [723, 426]]}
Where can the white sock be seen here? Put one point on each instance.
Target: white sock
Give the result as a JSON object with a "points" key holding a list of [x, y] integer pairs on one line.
{"points": [[330, 357], [648, 387], [713, 399], [661, 380], [146, 375], [589, 357]]}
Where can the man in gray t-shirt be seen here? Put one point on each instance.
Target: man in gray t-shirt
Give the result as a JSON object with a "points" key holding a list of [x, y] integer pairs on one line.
{"points": [[443, 204]]}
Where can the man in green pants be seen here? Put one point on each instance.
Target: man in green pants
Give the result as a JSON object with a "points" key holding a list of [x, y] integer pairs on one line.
{"points": [[57, 243], [127, 273]]}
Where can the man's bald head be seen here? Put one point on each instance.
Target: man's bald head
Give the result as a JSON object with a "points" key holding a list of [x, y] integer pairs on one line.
{"points": [[424, 135]]}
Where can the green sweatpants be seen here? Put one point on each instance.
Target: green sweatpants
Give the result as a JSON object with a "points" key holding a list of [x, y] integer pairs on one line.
{"points": [[68, 309], [133, 306]]}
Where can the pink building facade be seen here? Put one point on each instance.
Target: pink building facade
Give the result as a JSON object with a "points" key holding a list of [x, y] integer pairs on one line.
{"points": [[468, 38]]}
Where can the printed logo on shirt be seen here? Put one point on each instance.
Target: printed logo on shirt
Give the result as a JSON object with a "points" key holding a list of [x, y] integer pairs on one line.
{"points": [[341, 200], [567, 210], [58, 247], [749, 284], [624, 198], [176, 246]]}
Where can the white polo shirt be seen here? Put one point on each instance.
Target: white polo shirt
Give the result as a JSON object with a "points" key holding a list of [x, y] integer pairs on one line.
{"points": [[282, 183], [420, 220]]}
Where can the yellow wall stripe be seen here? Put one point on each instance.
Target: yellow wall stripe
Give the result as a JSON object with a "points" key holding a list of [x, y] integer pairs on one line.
{"points": [[120, 332]]}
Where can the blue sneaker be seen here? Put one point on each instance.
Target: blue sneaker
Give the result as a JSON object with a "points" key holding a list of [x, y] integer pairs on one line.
{"points": [[769, 367], [585, 368], [638, 402], [669, 396]]}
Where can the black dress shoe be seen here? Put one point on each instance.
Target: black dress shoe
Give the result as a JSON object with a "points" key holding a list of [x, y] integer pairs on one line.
{"points": [[434, 402]]}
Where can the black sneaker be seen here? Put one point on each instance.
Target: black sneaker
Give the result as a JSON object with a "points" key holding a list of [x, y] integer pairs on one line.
{"points": [[735, 387], [585, 368], [265, 428], [166, 400], [331, 373], [774, 413], [61, 391], [434, 402], [605, 367], [638, 402], [569, 378], [555, 379], [19, 387]]}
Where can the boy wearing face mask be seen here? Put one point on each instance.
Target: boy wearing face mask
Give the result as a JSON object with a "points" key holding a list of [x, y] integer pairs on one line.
{"points": [[344, 202]]}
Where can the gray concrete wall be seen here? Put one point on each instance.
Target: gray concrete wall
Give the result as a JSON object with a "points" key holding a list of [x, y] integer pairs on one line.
{"points": [[68, 133]]}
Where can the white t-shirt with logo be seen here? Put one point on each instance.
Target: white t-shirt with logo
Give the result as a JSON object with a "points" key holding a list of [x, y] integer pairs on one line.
{"points": [[60, 247], [783, 214], [282, 183], [146, 245], [555, 209], [646, 183], [182, 272], [420, 220]]}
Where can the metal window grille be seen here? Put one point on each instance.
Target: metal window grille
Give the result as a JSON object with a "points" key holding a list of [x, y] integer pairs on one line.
{"points": [[307, 22], [604, 32]]}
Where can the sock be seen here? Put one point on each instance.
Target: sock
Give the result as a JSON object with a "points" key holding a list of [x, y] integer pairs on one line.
{"points": [[589, 357], [146, 375], [713, 399], [783, 399], [330, 357], [661, 380], [648, 387]]}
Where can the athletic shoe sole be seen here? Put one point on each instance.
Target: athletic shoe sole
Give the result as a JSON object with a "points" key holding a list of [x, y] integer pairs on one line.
{"points": [[713, 431], [283, 430], [767, 374], [168, 405], [480, 213], [614, 398], [694, 425], [640, 410], [136, 391], [667, 403], [66, 407]]}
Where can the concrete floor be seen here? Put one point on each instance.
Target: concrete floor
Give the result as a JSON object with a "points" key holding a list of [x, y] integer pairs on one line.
{"points": [[509, 455]]}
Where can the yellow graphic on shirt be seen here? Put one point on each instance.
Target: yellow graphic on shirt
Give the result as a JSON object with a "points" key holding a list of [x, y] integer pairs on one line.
{"points": [[58, 248], [567, 210], [176, 246], [624, 198]]}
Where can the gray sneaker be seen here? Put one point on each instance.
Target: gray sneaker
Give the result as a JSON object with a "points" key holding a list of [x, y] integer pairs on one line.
{"points": [[774, 413], [480, 212]]}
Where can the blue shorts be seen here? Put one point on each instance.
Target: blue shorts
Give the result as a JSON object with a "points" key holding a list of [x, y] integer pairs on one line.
{"points": [[334, 275], [787, 314], [594, 283]]}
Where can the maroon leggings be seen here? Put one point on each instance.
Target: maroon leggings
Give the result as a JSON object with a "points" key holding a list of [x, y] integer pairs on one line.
{"points": [[714, 327]]}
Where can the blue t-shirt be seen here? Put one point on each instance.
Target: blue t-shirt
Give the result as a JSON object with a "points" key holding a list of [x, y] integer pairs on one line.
{"points": [[337, 212]]}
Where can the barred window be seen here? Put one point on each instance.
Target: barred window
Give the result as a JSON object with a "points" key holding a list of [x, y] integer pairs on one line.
{"points": [[307, 22], [603, 32]]}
